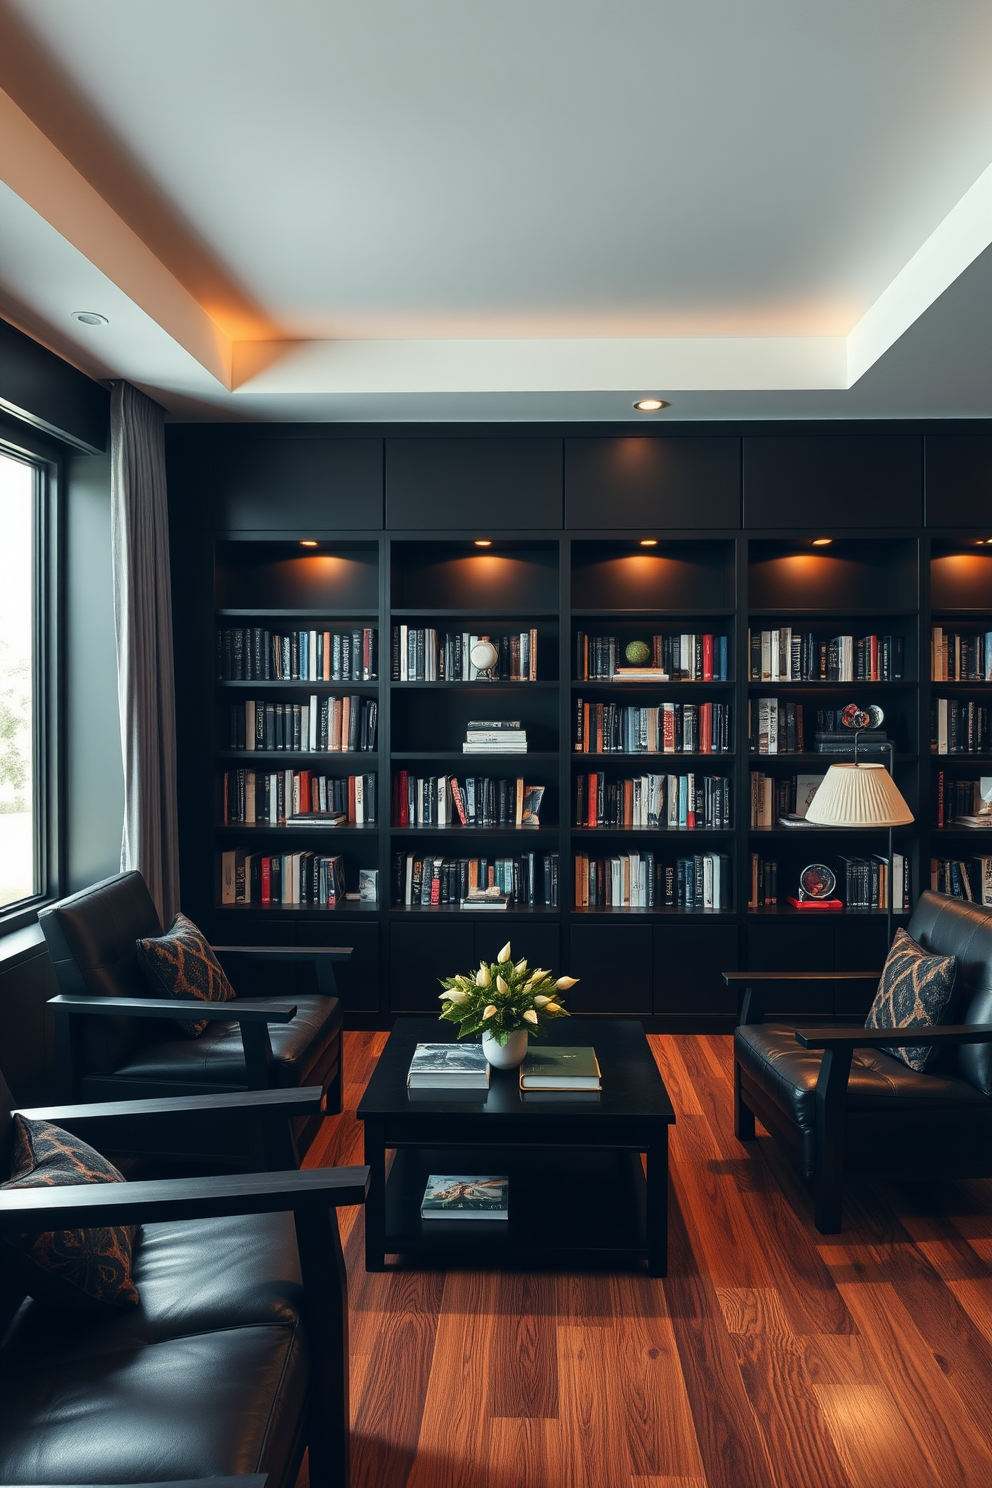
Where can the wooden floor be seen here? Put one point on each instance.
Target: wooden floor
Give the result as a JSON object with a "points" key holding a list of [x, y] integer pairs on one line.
{"points": [[770, 1355]]}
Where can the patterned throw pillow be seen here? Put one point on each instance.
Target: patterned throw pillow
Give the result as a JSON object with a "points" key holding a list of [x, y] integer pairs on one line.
{"points": [[180, 963], [913, 993], [82, 1269]]}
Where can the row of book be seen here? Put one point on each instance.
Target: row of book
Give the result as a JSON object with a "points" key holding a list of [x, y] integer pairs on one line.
{"points": [[424, 654], [965, 803], [475, 801], [253, 654], [862, 883], [668, 802], [323, 725], [960, 656], [787, 655], [960, 727], [681, 656], [298, 797], [305, 878], [963, 879], [669, 728], [529, 879], [781, 798], [777, 726], [638, 880]]}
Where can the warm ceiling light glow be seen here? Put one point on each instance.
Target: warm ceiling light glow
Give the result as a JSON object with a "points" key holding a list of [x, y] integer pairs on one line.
{"points": [[483, 542], [649, 405], [649, 542], [822, 542], [308, 542], [90, 317]]}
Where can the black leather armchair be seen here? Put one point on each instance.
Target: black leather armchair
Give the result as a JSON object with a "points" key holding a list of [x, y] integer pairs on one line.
{"points": [[114, 1043], [839, 1104], [235, 1361]]}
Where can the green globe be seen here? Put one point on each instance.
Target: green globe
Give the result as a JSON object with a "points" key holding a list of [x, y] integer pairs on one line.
{"points": [[638, 652]]}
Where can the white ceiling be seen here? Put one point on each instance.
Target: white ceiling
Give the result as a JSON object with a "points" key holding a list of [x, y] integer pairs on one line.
{"points": [[536, 210]]}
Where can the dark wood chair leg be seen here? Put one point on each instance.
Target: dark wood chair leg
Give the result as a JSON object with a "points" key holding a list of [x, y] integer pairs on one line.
{"points": [[334, 1099], [325, 1291], [828, 1176], [743, 1116]]}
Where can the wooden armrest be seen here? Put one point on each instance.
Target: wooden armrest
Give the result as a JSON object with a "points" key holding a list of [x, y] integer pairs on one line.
{"points": [[154, 1201], [241, 1010], [302, 1102], [880, 1038], [730, 977]]}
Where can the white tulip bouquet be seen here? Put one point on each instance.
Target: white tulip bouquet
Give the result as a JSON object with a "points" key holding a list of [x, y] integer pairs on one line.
{"points": [[503, 996]]}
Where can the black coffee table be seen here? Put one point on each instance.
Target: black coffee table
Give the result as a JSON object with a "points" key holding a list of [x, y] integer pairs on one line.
{"points": [[578, 1190]]}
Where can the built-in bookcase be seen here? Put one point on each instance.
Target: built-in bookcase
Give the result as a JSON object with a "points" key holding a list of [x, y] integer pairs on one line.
{"points": [[550, 595]]}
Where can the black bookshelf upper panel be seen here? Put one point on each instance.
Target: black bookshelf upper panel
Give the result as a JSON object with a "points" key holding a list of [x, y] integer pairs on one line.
{"points": [[833, 481], [961, 576], [293, 578], [673, 575], [275, 485], [495, 485], [959, 479], [652, 482], [461, 576], [853, 574]]}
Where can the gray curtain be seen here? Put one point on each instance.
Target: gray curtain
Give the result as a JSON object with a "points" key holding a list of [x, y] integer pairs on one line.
{"points": [[143, 617]]}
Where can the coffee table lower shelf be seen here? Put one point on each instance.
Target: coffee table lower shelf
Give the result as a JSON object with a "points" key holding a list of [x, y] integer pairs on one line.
{"points": [[567, 1206]]}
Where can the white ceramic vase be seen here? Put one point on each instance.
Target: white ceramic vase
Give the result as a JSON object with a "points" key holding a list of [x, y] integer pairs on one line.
{"points": [[508, 1055]]}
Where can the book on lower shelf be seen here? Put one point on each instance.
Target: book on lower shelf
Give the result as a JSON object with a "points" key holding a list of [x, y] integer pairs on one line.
{"points": [[448, 1067], [561, 1067], [487, 899], [466, 1196]]}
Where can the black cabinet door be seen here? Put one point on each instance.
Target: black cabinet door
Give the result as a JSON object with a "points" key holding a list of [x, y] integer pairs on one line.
{"points": [[959, 481], [646, 482], [474, 485], [419, 955], [688, 960], [833, 480], [541, 944], [357, 979], [294, 485], [783, 944], [613, 964]]}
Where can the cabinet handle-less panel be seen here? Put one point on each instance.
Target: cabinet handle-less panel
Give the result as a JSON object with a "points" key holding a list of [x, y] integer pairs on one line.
{"points": [[833, 480], [613, 963], [648, 482], [959, 480], [270, 485], [489, 485], [688, 960], [420, 955]]}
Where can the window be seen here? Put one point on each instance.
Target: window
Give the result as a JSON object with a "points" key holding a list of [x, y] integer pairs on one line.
{"points": [[23, 772]]}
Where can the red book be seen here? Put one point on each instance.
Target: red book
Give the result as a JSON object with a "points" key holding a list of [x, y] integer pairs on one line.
{"points": [[352, 813], [266, 880], [456, 796], [816, 903], [707, 658], [705, 723], [403, 799]]}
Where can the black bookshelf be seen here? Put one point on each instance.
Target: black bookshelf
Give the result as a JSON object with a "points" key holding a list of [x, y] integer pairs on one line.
{"points": [[244, 563]]}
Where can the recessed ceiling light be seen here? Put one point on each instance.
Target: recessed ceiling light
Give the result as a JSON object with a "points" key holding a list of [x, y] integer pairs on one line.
{"points": [[483, 542], [649, 542], [822, 542], [650, 405], [308, 542], [90, 318]]}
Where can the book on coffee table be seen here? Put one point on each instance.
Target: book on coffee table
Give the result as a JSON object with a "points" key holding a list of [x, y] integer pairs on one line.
{"points": [[465, 1196], [568, 1067], [448, 1067]]}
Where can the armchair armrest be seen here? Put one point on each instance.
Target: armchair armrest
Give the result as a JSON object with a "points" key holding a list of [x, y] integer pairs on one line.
{"points": [[251, 1480], [306, 1101], [952, 1034], [241, 1010], [154, 1201], [321, 958], [753, 1006]]}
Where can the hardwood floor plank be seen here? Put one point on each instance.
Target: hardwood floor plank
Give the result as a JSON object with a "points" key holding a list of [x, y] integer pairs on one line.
{"points": [[722, 1233], [793, 1422], [525, 1332], [524, 1453], [653, 1405], [637, 1482], [754, 1310], [594, 1445]]}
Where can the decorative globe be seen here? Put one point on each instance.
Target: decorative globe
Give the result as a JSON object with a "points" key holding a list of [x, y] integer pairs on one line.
{"points": [[638, 652], [484, 655]]}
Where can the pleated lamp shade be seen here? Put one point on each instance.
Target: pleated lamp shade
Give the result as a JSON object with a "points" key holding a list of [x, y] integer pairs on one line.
{"points": [[862, 795]]}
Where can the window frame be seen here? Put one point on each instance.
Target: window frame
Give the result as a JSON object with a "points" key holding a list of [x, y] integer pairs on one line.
{"points": [[46, 460]]}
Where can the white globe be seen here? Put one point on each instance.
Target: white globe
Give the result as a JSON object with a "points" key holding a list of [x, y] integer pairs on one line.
{"points": [[484, 655]]}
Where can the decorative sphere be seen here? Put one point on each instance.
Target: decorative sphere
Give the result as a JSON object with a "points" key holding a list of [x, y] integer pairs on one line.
{"points": [[484, 655], [638, 652]]}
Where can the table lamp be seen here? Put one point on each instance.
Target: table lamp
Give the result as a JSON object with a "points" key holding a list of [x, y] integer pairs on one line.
{"points": [[861, 795]]}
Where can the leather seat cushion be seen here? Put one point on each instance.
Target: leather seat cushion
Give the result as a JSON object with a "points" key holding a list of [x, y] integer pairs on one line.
{"points": [[206, 1377], [217, 1056], [788, 1073]]}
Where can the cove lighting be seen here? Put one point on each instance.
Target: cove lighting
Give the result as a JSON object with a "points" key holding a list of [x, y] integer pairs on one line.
{"points": [[90, 318], [649, 542], [308, 542], [483, 542], [822, 542], [650, 405]]}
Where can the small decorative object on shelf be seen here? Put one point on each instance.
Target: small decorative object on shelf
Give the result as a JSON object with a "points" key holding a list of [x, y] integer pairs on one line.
{"points": [[506, 1003], [485, 657], [817, 883], [638, 653]]}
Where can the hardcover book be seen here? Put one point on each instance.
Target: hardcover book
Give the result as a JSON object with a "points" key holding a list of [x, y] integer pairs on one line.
{"points": [[448, 1066], [472, 1196], [561, 1068]]}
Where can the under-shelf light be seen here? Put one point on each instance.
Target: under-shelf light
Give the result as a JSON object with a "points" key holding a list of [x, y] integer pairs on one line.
{"points": [[650, 405], [483, 542], [822, 542], [308, 542], [649, 542]]}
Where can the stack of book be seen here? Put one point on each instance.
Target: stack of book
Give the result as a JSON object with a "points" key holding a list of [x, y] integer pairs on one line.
{"points": [[448, 1067], [466, 1196], [495, 736], [564, 1067]]}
